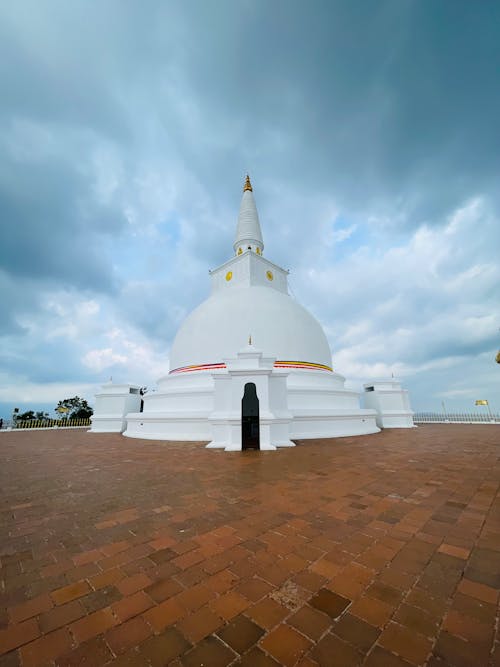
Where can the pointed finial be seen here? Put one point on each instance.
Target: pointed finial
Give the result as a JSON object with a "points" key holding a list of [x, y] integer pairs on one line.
{"points": [[250, 339], [248, 185]]}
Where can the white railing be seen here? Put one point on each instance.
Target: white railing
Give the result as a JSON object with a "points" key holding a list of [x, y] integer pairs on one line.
{"points": [[456, 418], [22, 424]]}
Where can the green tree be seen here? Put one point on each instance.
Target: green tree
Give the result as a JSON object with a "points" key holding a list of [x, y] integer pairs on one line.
{"points": [[26, 416], [78, 408]]}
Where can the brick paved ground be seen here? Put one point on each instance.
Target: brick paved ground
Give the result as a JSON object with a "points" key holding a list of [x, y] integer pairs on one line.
{"points": [[381, 550]]}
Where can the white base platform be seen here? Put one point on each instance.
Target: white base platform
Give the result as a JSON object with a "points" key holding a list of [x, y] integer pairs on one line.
{"points": [[183, 410]]}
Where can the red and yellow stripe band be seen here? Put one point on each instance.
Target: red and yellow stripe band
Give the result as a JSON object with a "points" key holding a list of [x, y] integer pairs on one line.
{"points": [[277, 364]]}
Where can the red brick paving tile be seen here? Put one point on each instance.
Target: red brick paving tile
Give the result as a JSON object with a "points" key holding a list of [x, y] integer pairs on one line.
{"points": [[476, 609], [358, 572], [163, 556], [397, 579], [256, 658], [56, 568], [325, 568], [267, 613], [162, 649], [46, 648], [200, 624], [355, 631], [82, 572], [310, 622], [162, 543], [191, 576], [164, 589], [229, 605], [323, 543], [330, 603], [222, 581], [294, 563], [225, 559], [138, 566], [240, 634], [286, 644], [127, 635], [433, 605], [71, 592], [59, 616], [11, 659], [16, 635], [105, 524], [479, 591], [134, 553], [334, 652], [224, 531], [31, 608], [468, 628], [132, 605], [114, 548], [164, 614], [274, 574], [380, 657], [383, 592], [416, 619], [253, 589], [87, 557], [131, 658], [309, 580], [495, 657], [107, 578], [195, 597], [245, 568], [348, 588], [4, 618], [454, 551], [210, 550], [309, 553], [375, 612], [408, 644], [459, 653], [93, 653], [104, 597], [307, 662], [132, 584], [184, 547], [93, 625], [211, 652]]}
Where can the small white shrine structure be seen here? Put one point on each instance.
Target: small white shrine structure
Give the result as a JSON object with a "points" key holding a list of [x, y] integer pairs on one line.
{"points": [[238, 394]]}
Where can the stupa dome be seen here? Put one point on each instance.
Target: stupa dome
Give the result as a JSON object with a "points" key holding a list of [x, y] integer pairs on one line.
{"points": [[221, 325]]}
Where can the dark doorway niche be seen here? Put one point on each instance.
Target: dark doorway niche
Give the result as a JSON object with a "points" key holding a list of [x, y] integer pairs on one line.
{"points": [[250, 436]]}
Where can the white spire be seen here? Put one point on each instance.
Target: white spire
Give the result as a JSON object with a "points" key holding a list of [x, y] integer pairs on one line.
{"points": [[248, 234]]}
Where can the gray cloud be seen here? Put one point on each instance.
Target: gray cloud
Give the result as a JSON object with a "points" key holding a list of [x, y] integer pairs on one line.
{"points": [[126, 132]]}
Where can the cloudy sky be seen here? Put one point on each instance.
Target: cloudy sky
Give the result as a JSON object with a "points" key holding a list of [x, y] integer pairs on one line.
{"points": [[371, 133]]}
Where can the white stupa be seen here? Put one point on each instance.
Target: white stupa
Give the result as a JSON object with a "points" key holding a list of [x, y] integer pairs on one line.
{"points": [[250, 367]]}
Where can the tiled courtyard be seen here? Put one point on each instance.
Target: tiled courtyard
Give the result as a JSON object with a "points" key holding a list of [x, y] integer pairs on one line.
{"points": [[380, 550]]}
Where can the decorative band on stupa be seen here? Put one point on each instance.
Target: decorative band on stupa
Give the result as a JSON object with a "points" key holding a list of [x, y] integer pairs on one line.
{"points": [[277, 364]]}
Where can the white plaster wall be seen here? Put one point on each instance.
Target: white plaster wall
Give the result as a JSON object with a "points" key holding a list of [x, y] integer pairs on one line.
{"points": [[248, 269], [111, 406], [391, 403], [168, 426]]}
